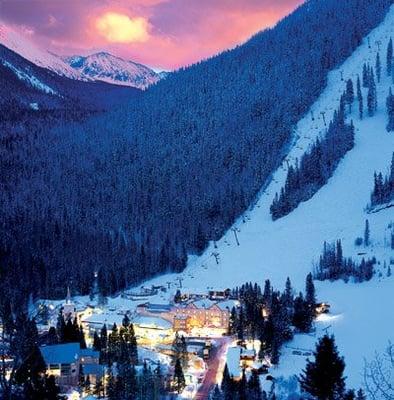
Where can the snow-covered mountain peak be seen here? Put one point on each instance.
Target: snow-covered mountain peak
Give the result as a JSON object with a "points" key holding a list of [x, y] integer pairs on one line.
{"points": [[42, 58], [106, 67], [101, 66]]}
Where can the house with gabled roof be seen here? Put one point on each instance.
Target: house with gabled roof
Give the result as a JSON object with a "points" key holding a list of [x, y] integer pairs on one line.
{"points": [[64, 361]]}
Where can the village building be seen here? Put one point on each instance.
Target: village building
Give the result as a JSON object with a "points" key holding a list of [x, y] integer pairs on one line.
{"points": [[64, 362], [195, 314], [206, 313], [152, 328], [219, 294], [247, 357], [165, 311], [182, 323]]}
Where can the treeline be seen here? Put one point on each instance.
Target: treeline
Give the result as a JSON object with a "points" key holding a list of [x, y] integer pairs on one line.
{"points": [[333, 265], [130, 194], [318, 164], [383, 189], [272, 316]]}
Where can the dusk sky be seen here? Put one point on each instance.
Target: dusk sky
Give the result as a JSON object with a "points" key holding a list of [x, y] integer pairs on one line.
{"points": [[164, 34]]}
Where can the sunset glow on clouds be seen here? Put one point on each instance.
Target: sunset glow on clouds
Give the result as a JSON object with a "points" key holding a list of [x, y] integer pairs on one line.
{"points": [[120, 28], [161, 33]]}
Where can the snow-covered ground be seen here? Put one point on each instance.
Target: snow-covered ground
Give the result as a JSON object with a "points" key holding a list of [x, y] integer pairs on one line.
{"points": [[361, 315]]}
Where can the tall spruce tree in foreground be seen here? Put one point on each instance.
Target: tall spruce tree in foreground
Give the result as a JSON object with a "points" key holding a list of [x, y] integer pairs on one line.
{"points": [[179, 377], [323, 378]]}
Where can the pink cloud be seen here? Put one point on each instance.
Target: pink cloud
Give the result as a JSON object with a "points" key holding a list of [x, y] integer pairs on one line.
{"points": [[160, 33]]}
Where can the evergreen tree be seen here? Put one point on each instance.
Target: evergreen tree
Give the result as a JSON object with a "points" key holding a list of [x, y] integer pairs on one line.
{"points": [[289, 297], [96, 342], [389, 56], [372, 96], [126, 321], [177, 297], [81, 338], [176, 348], [390, 111], [361, 395], [241, 324], [349, 93], [349, 395], [275, 352], [302, 317], [184, 354], [52, 390], [217, 394], [378, 67], [254, 388], [127, 378], [360, 99], [365, 76], [310, 292], [32, 367], [60, 326], [267, 294], [366, 234], [179, 378], [52, 337], [323, 378], [233, 323], [242, 387], [227, 384], [112, 390]]}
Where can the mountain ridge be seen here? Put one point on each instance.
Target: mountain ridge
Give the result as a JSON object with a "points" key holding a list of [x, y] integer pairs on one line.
{"points": [[106, 67], [100, 66]]}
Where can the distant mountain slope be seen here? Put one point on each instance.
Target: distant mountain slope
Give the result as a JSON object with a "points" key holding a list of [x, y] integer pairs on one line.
{"points": [[42, 58], [108, 68], [23, 84], [99, 66]]}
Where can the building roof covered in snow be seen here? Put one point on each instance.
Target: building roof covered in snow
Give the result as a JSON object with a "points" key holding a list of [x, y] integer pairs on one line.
{"points": [[227, 304], [66, 353], [233, 361], [156, 307], [151, 322], [204, 303]]}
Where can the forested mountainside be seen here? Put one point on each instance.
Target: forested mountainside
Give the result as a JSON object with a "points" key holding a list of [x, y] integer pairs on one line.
{"points": [[130, 194], [23, 83]]}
